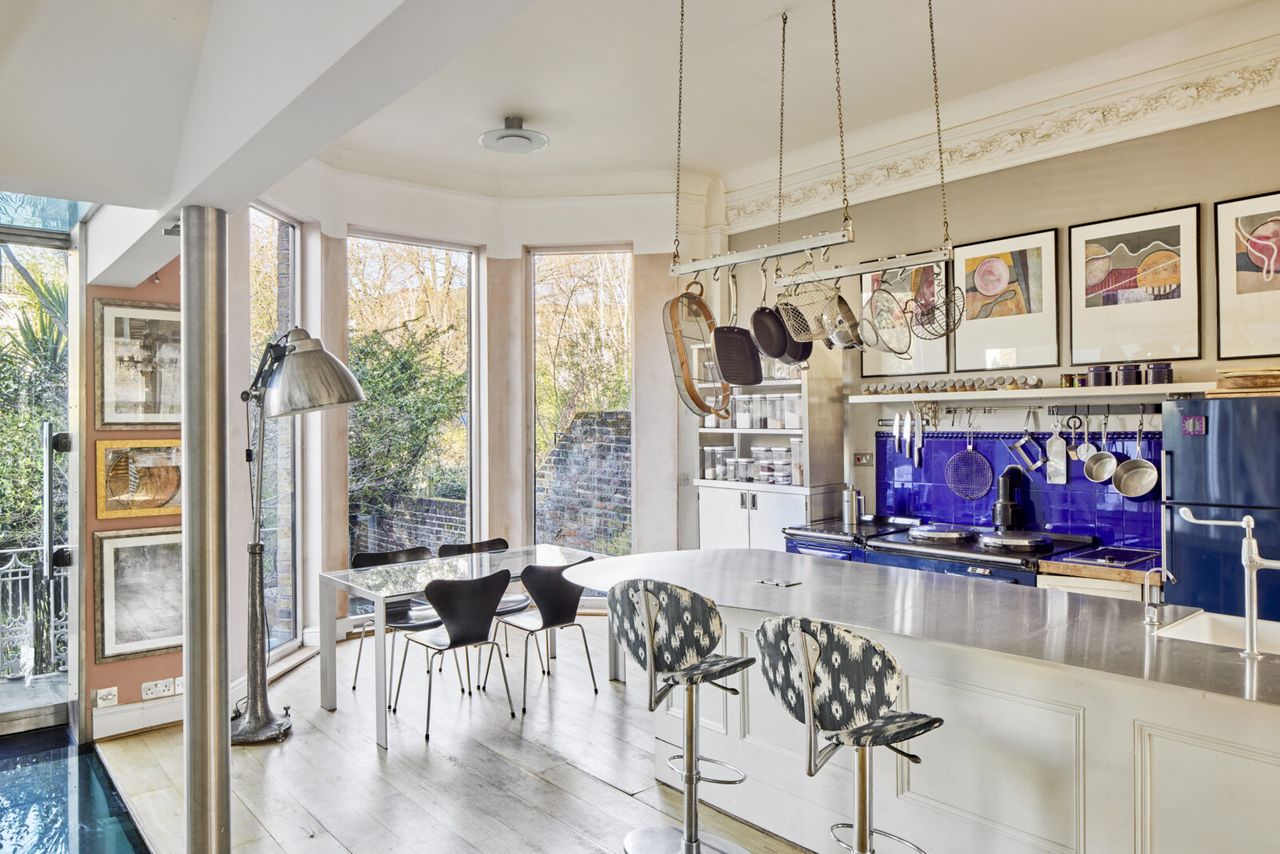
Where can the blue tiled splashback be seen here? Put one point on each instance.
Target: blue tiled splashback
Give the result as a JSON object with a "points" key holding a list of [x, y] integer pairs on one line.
{"points": [[1076, 507]]}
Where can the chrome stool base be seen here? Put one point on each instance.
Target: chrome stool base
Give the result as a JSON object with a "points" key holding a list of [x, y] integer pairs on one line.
{"points": [[846, 846], [670, 840]]}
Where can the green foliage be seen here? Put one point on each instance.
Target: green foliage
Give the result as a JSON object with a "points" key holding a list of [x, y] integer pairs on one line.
{"points": [[412, 395]]}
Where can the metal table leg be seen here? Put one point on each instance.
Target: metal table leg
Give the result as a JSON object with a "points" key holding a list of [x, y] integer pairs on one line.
{"points": [[380, 668], [328, 647]]}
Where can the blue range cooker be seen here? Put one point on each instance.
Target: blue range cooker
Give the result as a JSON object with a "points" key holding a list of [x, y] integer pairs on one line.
{"points": [[1009, 557], [839, 540]]}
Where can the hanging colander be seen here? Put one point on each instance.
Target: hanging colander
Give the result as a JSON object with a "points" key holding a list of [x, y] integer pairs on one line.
{"points": [[689, 324], [884, 325]]}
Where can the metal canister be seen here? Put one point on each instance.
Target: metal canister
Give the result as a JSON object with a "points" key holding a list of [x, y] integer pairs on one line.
{"points": [[1128, 375], [1159, 373], [1100, 375]]}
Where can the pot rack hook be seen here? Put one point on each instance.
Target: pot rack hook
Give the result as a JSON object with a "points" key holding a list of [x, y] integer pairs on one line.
{"points": [[715, 275], [826, 254]]}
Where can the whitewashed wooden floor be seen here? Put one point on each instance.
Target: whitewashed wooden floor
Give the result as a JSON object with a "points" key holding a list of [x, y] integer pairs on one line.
{"points": [[573, 775]]}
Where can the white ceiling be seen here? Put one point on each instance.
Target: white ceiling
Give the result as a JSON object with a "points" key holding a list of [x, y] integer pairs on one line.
{"points": [[599, 77]]}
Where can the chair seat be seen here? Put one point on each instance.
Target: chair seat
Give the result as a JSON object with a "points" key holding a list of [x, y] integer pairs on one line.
{"points": [[416, 620], [526, 621], [890, 729], [709, 669], [436, 638], [513, 603]]}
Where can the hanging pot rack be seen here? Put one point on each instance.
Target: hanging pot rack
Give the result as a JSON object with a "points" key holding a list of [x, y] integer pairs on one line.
{"points": [[879, 265]]}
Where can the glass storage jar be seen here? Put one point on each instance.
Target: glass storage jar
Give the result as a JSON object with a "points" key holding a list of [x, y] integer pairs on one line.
{"points": [[797, 461], [782, 466], [742, 411], [709, 463], [774, 409], [791, 412], [762, 458], [759, 411], [742, 468]]}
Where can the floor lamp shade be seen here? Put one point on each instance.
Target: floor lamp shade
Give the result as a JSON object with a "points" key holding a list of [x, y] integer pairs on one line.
{"points": [[307, 378]]}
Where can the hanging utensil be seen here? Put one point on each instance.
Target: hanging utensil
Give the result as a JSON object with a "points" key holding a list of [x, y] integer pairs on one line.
{"points": [[884, 324], [918, 456], [1136, 477], [897, 432], [1073, 424], [1086, 448], [735, 349], [1101, 464], [968, 472], [1019, 449], [1055, 450], [906, 443], [688, 322], [842, 322]]}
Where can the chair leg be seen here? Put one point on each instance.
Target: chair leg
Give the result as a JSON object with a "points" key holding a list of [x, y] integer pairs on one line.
{"points": [[431, 656], [690, 775], [359, 652], [587, 649], [548, 634], [506, 639], [391, 660], [466, 654], [457, 667], [532, 638], [524, 678], [505, 684], [484, 686], [404, 659]]}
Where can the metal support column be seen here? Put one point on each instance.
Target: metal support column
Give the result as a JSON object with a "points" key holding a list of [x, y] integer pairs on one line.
{"points": [[207, 728]]}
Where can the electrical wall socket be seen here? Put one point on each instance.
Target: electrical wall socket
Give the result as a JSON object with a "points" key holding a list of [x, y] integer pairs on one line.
{"points": [[105, 697], [179, 684], [159, 688]]}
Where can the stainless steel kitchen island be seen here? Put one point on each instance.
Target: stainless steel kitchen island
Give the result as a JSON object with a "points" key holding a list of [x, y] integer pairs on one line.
{"points": [[1065, 714]]}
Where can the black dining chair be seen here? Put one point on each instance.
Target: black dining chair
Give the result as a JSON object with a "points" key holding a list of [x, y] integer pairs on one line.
{"points": [[406, 616], [467, 608], [556, 599], [512, 603]]}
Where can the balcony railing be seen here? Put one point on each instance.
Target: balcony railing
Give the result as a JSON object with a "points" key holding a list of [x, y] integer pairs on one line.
{"points": [[33, 614]]}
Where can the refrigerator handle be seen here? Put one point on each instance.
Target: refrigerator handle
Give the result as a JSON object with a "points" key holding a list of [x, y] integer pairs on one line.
{"points": [[1166, 474]]}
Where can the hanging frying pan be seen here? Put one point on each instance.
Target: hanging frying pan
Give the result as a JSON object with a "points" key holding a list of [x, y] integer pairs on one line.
{"points": [[688, 322], [736, 352], [766, 324]]}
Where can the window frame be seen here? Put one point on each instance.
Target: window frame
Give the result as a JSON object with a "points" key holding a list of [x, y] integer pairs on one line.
{"points": [[477, 383], [295, 446], [531, 355]]}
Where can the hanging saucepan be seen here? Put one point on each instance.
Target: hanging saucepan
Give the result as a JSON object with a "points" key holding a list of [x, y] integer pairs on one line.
{"points": [[688, 321], [843, 323], [1136, 477], [736, 352]]}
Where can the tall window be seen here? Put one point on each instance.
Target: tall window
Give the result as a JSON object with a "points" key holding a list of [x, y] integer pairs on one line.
{"points": [[582, 400], [272, 281], [409, 330]]}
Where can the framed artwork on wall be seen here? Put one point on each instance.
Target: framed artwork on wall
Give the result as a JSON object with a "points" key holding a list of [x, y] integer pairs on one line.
{"points": [[1135, 288], [138, 579], [921, 283], [137, 365], [139, 477], [1011, 303], [1248, 241]]}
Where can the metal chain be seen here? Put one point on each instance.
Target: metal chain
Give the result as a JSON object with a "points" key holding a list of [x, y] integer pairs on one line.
{"points": [[782, 112], [937, 119], [679, 125], [844, 175]]}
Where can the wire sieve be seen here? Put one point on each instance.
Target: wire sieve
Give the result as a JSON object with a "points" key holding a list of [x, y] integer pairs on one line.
{"points": [[968, 472]]}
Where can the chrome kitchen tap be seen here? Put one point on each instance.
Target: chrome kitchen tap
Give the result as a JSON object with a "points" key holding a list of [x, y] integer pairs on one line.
{"points": [[1252, 561], [1152, 609]]}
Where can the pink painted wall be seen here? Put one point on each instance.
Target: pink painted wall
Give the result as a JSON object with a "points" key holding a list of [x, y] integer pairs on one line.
{"points": [[128, 675]]}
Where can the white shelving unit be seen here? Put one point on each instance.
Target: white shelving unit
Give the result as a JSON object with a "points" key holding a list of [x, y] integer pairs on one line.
{"points": [[1127, 392]]}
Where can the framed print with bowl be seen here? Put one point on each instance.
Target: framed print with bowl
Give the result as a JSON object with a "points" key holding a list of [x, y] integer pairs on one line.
{"points": [[137, 365], [923, 284], [138, 579], [1011, 303], [1248, 241], [140, 477], [1135, 288]]}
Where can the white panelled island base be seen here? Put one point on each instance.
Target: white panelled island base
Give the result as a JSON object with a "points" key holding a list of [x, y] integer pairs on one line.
{"points": [[1069, 727]]}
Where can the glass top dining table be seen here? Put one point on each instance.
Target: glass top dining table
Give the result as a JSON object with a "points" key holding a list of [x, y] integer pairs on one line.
{"points": [[400, 581]]}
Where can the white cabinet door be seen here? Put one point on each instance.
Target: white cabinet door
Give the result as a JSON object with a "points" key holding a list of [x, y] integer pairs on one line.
{"points": [[770, 513], [723, 518]]}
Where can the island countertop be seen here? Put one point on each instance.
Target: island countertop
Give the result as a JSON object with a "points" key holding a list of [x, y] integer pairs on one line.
{"points": [[1091, 632]]}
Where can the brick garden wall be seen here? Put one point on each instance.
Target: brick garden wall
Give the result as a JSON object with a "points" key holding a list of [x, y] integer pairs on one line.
{"points": [[410, 522], [584, 485]]}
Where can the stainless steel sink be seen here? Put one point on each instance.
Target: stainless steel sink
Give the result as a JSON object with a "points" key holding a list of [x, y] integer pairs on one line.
{"points": [[1222, 630]]}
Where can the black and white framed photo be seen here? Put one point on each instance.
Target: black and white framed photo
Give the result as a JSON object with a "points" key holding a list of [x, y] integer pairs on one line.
{"points": [[138, 578], [137, 365], [1011, 303], [925, 284], [1248, 239], [1135, 288]]}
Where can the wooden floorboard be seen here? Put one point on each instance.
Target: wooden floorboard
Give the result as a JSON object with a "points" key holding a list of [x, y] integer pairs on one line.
{"points": [[571, 776]]}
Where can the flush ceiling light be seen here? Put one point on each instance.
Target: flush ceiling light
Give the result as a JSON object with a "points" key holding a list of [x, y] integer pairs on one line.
{"points": [[513, 138]]}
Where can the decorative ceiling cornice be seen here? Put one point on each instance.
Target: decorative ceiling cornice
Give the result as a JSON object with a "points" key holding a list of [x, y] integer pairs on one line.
{"points": [[1219, 85]]}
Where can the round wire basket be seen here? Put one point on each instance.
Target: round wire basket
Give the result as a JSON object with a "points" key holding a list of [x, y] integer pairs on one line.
{"points": [[937, 309], [802, 310]]}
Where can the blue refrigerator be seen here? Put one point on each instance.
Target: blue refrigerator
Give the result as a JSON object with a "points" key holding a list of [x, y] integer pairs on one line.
{"points": [[1221, 460]]}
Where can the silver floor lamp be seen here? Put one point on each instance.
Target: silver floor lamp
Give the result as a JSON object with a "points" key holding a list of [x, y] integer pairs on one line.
{"points": [[296, 375]]}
